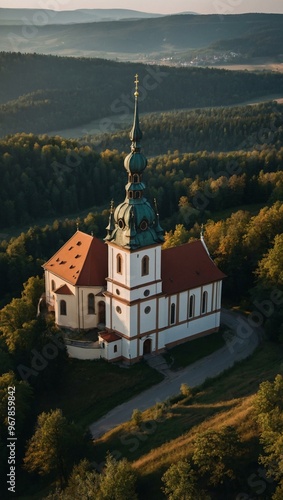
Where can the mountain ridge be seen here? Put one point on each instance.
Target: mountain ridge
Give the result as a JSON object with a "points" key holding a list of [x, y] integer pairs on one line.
{"points": [[140, 39], [40, 17]]}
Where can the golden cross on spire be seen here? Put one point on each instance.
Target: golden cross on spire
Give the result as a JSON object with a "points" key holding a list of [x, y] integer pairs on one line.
{"points": [[137, 85]]}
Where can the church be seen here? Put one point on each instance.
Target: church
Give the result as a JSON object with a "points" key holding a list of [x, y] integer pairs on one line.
{"points": [[142, 299]]}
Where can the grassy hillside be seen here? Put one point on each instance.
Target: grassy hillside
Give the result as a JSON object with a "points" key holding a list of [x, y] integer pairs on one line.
{"points": [[142, 36], [59, 92], [168, 436]]}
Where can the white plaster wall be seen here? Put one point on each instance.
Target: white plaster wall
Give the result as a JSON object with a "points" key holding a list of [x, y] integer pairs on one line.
{"points": [[107, 352], [133, 321], [70, 320], [218, 293], [163, 312], [58, 282], [88, 320], [162, 339], [108, 313], [115, 355], [135, 277], [183, 306], [136, 294], [208, 289], [82, 353], [129, 349], [148, 321], [197, 294], [131, 275], [192, 327], [127, 321]]}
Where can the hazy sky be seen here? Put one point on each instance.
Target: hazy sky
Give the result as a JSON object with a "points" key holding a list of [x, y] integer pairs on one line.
{"points": [[160, 6]]}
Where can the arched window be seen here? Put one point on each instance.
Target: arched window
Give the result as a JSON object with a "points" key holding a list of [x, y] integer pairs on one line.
{"points": [[192, 306], [53, 285], [115, 348], [63, 308], [119, 264], [173, 314], [90, 303], [204, 302], [136, 178], [145, 266]]}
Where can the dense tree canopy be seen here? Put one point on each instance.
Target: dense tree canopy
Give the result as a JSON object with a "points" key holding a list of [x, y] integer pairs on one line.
{"points": [[269, 413], [62, 92], [54, 447]]}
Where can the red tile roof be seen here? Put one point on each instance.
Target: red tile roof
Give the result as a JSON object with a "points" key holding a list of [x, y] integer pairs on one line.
{"points": [[187, 266], [82, 261], [63, 290], [109, 337]]}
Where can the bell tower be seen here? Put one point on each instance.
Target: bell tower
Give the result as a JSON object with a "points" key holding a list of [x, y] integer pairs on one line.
{"points": [[134, 238]]}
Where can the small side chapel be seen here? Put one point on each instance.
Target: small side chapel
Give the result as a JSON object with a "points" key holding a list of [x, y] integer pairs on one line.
{"points": [[142, 298]]}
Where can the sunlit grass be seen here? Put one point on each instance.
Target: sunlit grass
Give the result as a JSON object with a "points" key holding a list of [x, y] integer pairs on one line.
{"points": [[224, 401]]}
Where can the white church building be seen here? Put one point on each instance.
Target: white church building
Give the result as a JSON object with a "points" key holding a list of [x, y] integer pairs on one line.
{"points": [[142, 298]]}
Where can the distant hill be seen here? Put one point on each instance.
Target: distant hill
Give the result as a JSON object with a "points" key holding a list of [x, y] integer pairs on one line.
{"points": [[37, 17], [139, 38], [264, 42], [42, 93]]}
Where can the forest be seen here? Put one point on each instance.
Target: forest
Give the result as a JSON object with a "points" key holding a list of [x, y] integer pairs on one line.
{"points": [[54, 93], [218, 167]]}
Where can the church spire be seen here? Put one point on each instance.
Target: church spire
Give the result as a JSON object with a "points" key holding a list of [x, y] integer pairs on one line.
{"points": [[136, 133], [134, 223]]}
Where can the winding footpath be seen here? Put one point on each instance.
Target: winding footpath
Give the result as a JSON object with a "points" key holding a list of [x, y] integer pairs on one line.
{"points": [[238, 347]]}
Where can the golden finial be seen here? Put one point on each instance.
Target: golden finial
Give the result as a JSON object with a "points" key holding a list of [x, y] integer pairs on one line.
{"points": [[137, 85]]}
